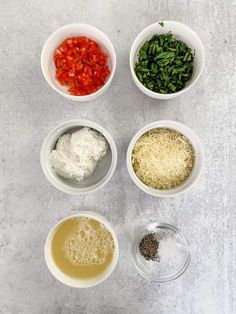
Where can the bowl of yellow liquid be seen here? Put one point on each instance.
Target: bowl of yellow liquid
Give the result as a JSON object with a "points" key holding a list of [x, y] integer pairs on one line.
{"points": [[82, 250]]}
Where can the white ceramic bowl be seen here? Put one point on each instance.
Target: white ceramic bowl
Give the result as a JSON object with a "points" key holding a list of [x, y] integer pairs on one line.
{"points": [[59, 275], [181, 32], [56, 38], [198, 161], [101, 175]]}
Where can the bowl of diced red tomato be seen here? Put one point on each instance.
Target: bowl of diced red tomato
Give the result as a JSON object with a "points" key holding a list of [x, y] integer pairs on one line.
{"points": [[78, 61]]}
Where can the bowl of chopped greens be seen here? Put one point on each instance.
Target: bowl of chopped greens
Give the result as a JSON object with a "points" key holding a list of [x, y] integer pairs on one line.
{"points": [[166, 59]]}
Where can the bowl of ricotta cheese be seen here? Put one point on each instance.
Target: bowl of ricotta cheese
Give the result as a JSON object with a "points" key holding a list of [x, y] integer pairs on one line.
{"points": [[78, 157]]}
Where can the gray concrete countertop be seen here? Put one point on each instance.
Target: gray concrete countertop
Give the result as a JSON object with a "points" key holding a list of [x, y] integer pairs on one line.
{"points": [[30, 206]]}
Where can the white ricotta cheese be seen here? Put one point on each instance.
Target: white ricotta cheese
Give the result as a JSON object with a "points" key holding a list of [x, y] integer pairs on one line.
{"points": [[77, 155]]}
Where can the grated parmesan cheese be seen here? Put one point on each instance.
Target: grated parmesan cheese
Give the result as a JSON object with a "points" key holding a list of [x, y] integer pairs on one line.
{"points": [[162, 158]]}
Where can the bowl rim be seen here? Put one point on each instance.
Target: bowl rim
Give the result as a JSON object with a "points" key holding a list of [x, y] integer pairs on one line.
{"points": [[113, 58], [149, 92], [181, 128], [146, 230], [63, 187], [74, 282]]}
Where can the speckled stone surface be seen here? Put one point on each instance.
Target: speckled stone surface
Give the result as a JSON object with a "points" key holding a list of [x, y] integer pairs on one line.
{"points": [[30, 206]]}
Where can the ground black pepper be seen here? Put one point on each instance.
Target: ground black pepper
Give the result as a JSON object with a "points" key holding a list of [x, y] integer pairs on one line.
{"points": [[148, 247]]}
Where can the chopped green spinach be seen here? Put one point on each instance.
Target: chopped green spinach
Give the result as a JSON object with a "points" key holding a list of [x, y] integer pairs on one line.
{"points": [[165, 64]]}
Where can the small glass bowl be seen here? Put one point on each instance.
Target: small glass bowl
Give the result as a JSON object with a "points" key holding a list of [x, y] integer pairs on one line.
{"points": [[168, 268]]}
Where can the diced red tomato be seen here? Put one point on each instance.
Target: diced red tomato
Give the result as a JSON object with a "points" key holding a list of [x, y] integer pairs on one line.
{"points": [[81, 65]]}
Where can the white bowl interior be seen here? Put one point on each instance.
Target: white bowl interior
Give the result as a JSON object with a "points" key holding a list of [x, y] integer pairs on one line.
{"points": [[56, 38], [181, 32], [102, 172], [58, 274], [198, 161]]}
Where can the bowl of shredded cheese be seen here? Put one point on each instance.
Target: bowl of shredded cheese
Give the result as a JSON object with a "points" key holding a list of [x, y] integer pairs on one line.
{"points": [[165, 158]]}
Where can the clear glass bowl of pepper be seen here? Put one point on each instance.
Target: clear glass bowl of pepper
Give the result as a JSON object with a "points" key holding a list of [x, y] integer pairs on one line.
{"points": [[161, 252]]}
